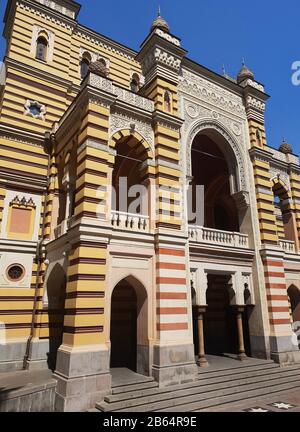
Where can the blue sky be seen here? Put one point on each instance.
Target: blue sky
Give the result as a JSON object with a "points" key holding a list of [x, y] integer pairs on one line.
{"points": [[216, 32]]}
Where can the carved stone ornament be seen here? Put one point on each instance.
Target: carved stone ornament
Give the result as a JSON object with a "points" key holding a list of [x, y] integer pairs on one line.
{"points": [[200, 88], [242, 199], [120, 121], [125, 95]]}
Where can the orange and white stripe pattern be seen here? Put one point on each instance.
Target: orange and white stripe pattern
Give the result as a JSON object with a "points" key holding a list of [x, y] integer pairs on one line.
{"points": [[277, 298], [171, 297]]}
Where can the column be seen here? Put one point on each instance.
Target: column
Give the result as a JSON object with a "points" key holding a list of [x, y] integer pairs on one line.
{"points": [[239, 322], [202, 362]]}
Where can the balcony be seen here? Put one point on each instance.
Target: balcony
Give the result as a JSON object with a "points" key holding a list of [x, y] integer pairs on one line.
{"points": [[61, 229], [288, 246], [130, 221], [218, 238]]}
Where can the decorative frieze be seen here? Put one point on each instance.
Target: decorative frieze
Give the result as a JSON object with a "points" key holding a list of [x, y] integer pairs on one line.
{"points": [[26, 202], [123, 94], [210, 93], [193, 111], [58, 6], [47, 16], [168, 37], [120, 121], [252, 102], [103, 43]]}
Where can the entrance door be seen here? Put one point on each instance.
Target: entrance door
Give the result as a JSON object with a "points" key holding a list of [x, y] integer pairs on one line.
{"points": [[123, 333], [220, 327]]}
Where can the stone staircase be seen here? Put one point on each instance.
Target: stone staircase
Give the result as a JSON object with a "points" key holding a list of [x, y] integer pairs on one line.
{"points": [[214, 387]]}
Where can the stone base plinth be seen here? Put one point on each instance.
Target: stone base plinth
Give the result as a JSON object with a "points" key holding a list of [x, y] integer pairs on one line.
{"points": [[83, 378], [283, 351], [174, 364], [38, 355], [12, 355]]}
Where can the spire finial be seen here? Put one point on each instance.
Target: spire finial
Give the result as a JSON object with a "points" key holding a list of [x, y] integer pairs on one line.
{"points": [[243, 61], [160, 23], [223, 70]]}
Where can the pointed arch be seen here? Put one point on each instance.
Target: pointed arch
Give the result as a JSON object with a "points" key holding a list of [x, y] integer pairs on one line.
{"points": [[129, 324], [230, 148]]}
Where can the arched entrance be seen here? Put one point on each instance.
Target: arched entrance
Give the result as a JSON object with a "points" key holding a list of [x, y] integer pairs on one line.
{"points": [[129, 326], [225, 328], [285, 218], [212, 169], [130, 179], [56, 293]]}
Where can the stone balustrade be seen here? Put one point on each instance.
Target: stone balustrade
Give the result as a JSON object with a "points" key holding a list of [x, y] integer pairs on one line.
{"points": [[129, 221], [288, 246], [61, 229], [217, 237]]}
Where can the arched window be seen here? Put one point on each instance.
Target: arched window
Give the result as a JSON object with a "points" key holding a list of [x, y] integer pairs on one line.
{"points": [[258, 137], [135, 83], [84, 67], [41, 49], [102, 61], [85, 64], [285, 219], [167, 101]]}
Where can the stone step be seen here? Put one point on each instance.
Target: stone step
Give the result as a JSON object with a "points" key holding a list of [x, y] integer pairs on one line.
{"points": [[238, 379], [196, 402], [251, 397], [169, 396], [234, 372], [125, 389], [142, 379], [241, 366]]}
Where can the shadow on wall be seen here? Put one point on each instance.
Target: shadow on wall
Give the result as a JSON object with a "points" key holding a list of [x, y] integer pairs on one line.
{"points": [[56, 290]]}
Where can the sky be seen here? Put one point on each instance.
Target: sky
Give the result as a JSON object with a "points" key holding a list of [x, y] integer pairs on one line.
{"points": [[217, 32]]}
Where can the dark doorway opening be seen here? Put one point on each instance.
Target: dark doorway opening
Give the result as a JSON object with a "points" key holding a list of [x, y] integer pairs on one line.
{"points": [[56, 291], [220, 324], [123, 333]]}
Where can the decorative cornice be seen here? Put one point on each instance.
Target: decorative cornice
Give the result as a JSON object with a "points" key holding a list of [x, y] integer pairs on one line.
{"points": [[166, 120], [252, 83], [260, 154], [96, 145], [104, 42], [64, 7], [21, 136], [47, 13]]}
